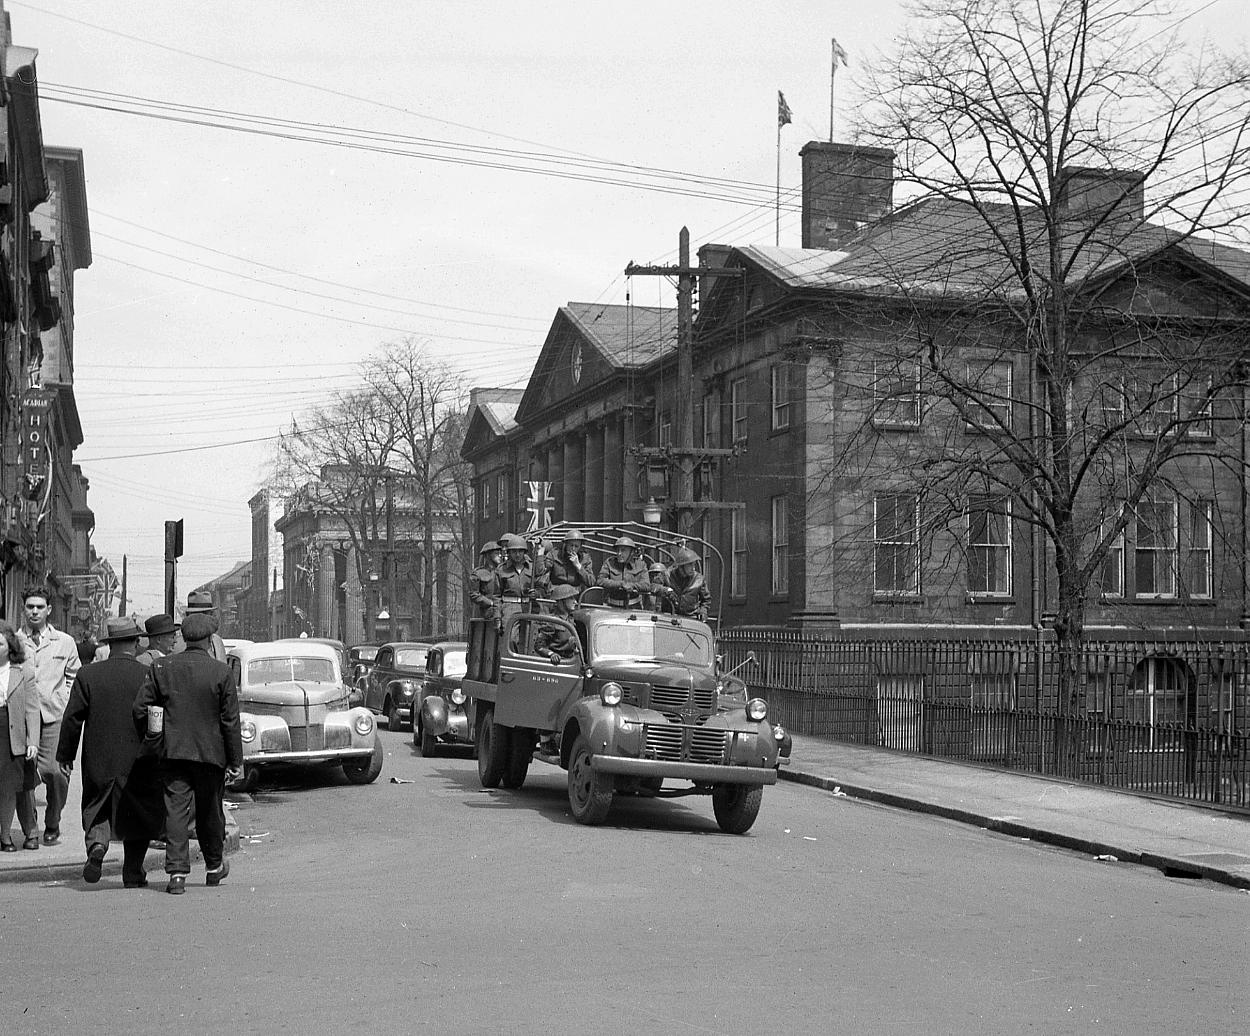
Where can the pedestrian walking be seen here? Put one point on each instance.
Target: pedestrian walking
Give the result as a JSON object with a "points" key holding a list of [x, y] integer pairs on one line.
{"points": [[55, 658], [624, 575], [201, 747], [200, 602], [122, 797], [19, 725], [162, 633]]}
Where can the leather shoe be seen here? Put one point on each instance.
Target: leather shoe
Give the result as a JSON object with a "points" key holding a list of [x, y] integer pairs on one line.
{"points": [[7, 847], [135, 883], [31, 843], [216, 877], [177, 884], [94, 867], [51, 837]]}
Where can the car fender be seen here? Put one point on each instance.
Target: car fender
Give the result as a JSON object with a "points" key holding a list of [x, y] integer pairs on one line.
{"points": [[434, 716], [271, 733]]}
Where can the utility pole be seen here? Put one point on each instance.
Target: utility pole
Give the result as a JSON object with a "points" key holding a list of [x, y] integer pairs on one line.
{"points": [[121, 610], [173, 551], [392, 604], [682, 453]]}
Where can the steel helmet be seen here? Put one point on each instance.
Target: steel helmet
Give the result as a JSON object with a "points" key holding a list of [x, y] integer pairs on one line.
{"points": [[563, 591], [489, 547], [574, 535], [511, 541], [656, 566], [685, 556], [625, 541]]}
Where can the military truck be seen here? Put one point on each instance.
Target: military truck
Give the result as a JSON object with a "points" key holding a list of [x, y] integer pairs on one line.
{"points": [[638, 705]]}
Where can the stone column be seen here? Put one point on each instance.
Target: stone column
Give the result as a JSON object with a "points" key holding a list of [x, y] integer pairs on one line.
{"points": [[613, 468], [595, 485], [323, 621], [573, 496]]}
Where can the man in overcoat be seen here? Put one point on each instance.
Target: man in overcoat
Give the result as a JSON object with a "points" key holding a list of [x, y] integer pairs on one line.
{"points": [[121, 791], [200, 602], [201, 748]]}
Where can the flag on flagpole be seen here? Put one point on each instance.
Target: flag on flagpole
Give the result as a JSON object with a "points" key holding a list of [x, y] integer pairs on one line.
{"points": [[839, 55], [783, 110]]}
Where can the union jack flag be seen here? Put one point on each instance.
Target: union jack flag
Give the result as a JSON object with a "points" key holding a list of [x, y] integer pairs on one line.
{"points": [[541, 506]]}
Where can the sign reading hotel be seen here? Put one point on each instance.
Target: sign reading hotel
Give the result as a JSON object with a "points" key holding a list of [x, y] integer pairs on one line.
{"points": [[36, 454]]}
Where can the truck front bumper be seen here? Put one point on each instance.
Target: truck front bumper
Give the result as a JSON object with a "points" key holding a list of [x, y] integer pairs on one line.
{"points": [[703, 773]]}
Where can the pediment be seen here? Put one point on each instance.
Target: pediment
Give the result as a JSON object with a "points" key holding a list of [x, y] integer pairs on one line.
{"points": [[1178, 287]]}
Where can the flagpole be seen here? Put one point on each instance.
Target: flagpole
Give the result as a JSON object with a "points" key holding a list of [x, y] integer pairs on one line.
{"points": [[777, 230], [833, 75]]}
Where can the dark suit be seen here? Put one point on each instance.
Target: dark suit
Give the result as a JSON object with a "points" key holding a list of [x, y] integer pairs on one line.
{"points": [[201, 739], [121, 788]]}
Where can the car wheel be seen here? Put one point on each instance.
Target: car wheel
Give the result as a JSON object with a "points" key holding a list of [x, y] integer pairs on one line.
{"points": [[520, 752], [393, 722], [590, 793], [736, 806], [429, 743], [492, 750], [366, 771]]}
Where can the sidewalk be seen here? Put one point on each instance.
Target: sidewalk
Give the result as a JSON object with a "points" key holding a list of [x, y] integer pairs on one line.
{"points": [[63, 861], [1181, 840]]}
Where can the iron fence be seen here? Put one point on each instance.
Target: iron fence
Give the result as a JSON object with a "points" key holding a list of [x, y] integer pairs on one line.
{"points": [[1164, 716]]}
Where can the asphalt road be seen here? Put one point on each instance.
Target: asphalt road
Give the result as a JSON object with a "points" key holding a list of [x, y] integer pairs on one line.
{"points": [[436, 906]]}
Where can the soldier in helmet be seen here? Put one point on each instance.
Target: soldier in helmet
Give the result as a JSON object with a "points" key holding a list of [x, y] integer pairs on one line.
{"points": [[515, 577], [556, 643], [660, 596], [569, 565], [624, 575], [484, 591], [691, 595]]}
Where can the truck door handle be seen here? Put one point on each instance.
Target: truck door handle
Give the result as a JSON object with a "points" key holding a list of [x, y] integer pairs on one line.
{"points": [[505, 677]]}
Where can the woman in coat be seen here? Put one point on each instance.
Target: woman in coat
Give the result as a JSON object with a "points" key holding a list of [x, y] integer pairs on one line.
{"points": [[19, 726]]}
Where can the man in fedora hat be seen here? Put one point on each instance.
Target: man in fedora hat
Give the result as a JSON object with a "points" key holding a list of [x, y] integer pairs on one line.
{"points": [[121, 792], [200, 602], [162, 632]]}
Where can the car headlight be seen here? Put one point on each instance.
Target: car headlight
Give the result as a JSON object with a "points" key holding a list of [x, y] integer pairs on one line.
{"points": [[611, 693], [757, 709], [457, 696], [247, 730], [364, 723]]}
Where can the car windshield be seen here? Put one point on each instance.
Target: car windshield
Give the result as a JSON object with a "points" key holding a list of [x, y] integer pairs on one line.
{"points": [[651, 640], [455, 664], [364, 654], [292, 668], [411, 658]]}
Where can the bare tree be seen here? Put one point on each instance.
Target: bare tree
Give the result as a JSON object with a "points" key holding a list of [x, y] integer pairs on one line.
{"points": [[1047, 306]]}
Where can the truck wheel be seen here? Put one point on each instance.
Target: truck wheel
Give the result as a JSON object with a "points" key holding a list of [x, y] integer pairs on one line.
{"points": [[492, 750], [429, 743], [366, 771], [590, 793], [520, 752], [736, 806]]}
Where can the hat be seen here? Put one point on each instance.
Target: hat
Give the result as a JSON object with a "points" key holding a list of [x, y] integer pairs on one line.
{"points": [[200, 601], [159, 624], [489, 547], [511, 541], [563, 591], [656, 566], [198, 626], [123, 628], [574, 535], [624, 541], [685, 556]]}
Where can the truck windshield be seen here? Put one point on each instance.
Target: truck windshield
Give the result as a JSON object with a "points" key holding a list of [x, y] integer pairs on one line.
{"points": [[651, 640], [286, 670], [455, 664]]}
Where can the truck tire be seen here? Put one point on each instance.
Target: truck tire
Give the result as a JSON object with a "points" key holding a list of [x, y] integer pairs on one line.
{"points": [[736, 806], [590, 793], [520, 752], [366, 771], [492, 750]]}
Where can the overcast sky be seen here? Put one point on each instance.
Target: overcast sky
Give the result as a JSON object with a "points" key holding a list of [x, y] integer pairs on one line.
{"points": [[190, 356]]}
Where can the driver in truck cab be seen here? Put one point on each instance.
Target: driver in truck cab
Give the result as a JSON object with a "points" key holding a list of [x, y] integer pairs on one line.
{"points": [[555, 643], [625, 575]]}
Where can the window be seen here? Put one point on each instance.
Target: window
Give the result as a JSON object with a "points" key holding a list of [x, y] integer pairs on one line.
{"points": [[664, 436], [780, 547], [738, 408], [1112, 402], [738, 553], [501, 492], [1198, 407], [1155, 549], [780, 395], [1097, 695], [1157, 697], [1111, 576], [711, 422], [483, 494], [705, 550], [989, 546], [1154, 403], [993, 704], [991, 379], [896, 543], [896, 393], [900, 711], [1223, 708], [1198, 561]]}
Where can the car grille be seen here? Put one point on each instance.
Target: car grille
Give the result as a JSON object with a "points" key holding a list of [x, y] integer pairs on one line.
{"points": [[673, 741], [273, 740], [338, 737], [308, 739]]}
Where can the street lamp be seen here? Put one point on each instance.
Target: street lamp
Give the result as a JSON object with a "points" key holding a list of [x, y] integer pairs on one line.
{"points": [[652, 513]]}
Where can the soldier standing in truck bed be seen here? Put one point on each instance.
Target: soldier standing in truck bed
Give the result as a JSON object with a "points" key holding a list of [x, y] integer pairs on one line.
{"points": [[624, 576], [569, 565], [691, 595], [515, 577], [484, 591]]}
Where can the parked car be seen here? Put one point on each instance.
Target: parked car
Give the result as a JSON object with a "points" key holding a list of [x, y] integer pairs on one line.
{"points": [[394, 681], [336, 644], [293, 709], [360, 659], [441, 715]]}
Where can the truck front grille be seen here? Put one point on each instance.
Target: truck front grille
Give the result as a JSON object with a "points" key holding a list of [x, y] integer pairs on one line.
{"points": [[680, 742]]}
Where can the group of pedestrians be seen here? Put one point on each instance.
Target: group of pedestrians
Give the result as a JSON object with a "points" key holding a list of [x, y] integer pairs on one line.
{"points": [[159, 732], [507, 577]]}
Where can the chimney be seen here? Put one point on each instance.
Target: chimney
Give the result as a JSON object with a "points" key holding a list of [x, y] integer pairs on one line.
{"points": [[1090, 193], [845, 187], [711, 255]]}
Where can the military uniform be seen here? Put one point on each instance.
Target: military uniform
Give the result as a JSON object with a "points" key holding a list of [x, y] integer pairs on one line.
{"points": [[693, 596], [624, 583], [562, 570]]}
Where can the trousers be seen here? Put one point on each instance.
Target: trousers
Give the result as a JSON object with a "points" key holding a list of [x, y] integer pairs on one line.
{"points": [[50, 774], [12, 796], [193, 791]]}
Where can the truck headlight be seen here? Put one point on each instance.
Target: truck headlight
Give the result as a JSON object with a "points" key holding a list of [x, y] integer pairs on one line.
{"points": [[407, 689], [457, 695], [364, 723], [611, 693], [247, 731], [757, 709]]}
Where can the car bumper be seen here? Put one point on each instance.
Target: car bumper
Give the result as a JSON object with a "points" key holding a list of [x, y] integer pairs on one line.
{"points": [[326, 755], [710, 773]]}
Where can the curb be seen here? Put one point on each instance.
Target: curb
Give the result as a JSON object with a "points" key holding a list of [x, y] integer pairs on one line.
{"points": [[1170, 866], [71, 869]]}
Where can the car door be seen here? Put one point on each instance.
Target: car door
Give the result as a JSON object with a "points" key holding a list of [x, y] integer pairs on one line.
{"points": [[375, 692], [533, 691]]}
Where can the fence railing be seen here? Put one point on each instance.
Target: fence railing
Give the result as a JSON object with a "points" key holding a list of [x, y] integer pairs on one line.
{"points": [[1161, 716]]}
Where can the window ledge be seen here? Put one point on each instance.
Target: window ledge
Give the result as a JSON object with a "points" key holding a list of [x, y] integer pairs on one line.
{"points": [[896, 426], [893, 597], [990, 599]]}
